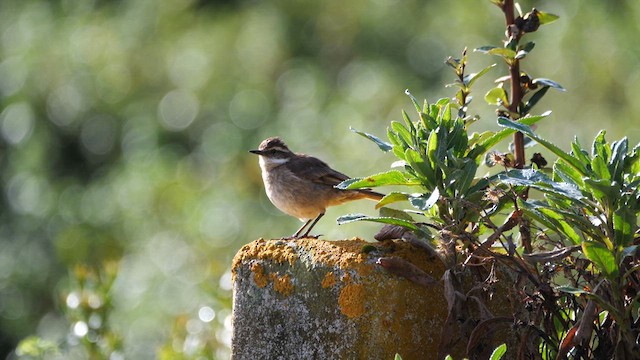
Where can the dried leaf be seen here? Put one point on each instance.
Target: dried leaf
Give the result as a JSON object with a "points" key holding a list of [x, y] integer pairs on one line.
{"points": [[402, 267], [550, 256], [486, 328]]}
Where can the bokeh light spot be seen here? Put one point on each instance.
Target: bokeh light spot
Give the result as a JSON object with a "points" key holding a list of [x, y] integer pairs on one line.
{"points": [[98, 134], [249, 109], [178, 109], [206, 314], [80, 329], [17, 122], [73, 300]]}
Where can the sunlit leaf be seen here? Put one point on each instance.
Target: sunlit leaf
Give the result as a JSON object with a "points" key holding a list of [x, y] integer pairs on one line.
{"points": [[549, 83], [395, 213], [505, 53], [624, 220], [424, 202], [488, 141], [520, 126], [485, 49], [413, 100], [600, 168], [601, 257], [572, 290], [498, 352], [391, 198], [496, 96], [471, 78], [392, 177], [538, 180], [546, 18], [345, 219], [403, 133], [420, 166], [383, 145], [619, 151]]}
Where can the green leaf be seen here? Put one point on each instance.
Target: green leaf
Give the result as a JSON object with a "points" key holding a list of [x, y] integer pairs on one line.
{"points": [[601, 257], [619, 151], [397, 357], [549, 83], [394, 213], [486, 143], [413, 100], [549, 218], [528, 46], [420, 166], [562, 224], [498, 352], [601, 189], [464, 177], [538, 180], [392, 177], [345, 219], [599, 166], [579, 153], [485, 49], [567, 173], [496, 96], [403, 132], [471, 78], [391, 198], [520, 126], [546, 18], [537, 96], [504, 53], [600, 146], [383, 145], [624, 220], [424, 202], [572, 290]]}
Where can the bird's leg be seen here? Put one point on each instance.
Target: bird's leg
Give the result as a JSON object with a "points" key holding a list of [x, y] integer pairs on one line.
{"points": [[306, 234], [297, 233]]}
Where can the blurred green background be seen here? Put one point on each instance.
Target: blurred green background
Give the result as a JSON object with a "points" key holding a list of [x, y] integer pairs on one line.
{"points": [[124, 128]]}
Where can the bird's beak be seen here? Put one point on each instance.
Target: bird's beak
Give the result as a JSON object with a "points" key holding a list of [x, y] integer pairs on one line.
{"points": [[258, 152]]}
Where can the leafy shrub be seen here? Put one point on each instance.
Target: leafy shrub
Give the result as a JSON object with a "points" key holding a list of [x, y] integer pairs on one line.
{"points": [[568, 234]]}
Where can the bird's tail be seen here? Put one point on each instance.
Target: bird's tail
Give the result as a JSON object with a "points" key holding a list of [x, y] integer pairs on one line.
{"points": [[371, 195]]}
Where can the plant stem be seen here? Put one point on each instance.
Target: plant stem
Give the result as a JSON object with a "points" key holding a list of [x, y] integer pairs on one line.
{"points": [[516, 89]]}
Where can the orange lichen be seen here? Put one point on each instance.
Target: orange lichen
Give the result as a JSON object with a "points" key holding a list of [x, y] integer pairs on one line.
{"points": [[351, 300], [329, 280], [258, 275], [274, 250], [282, 284], [345, 254]]}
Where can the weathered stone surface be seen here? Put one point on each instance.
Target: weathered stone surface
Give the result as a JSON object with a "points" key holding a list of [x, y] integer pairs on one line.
{"points": [[316, 299]]}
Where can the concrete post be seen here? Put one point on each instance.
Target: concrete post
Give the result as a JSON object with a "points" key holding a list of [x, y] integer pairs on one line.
{"points": [[317, 299]]}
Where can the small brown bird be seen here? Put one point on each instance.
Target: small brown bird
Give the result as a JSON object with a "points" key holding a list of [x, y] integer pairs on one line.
{"points": [[301, 185]]}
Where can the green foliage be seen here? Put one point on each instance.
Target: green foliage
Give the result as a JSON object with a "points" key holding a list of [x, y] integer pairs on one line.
{"points": [[498, 352], [124, 127], [581, 217]]}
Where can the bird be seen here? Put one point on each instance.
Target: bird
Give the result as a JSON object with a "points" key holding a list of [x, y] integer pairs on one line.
{"points": [[301, 185]]}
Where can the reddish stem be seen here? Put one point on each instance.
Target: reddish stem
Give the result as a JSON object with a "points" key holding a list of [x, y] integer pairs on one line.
{"points": [[516, 89]]}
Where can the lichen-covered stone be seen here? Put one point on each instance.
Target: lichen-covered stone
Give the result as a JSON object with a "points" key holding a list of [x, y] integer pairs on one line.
{"points": [[316, 299]]}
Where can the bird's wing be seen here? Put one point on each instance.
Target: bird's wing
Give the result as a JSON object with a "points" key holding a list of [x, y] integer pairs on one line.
{"points": [[318, 171]]}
